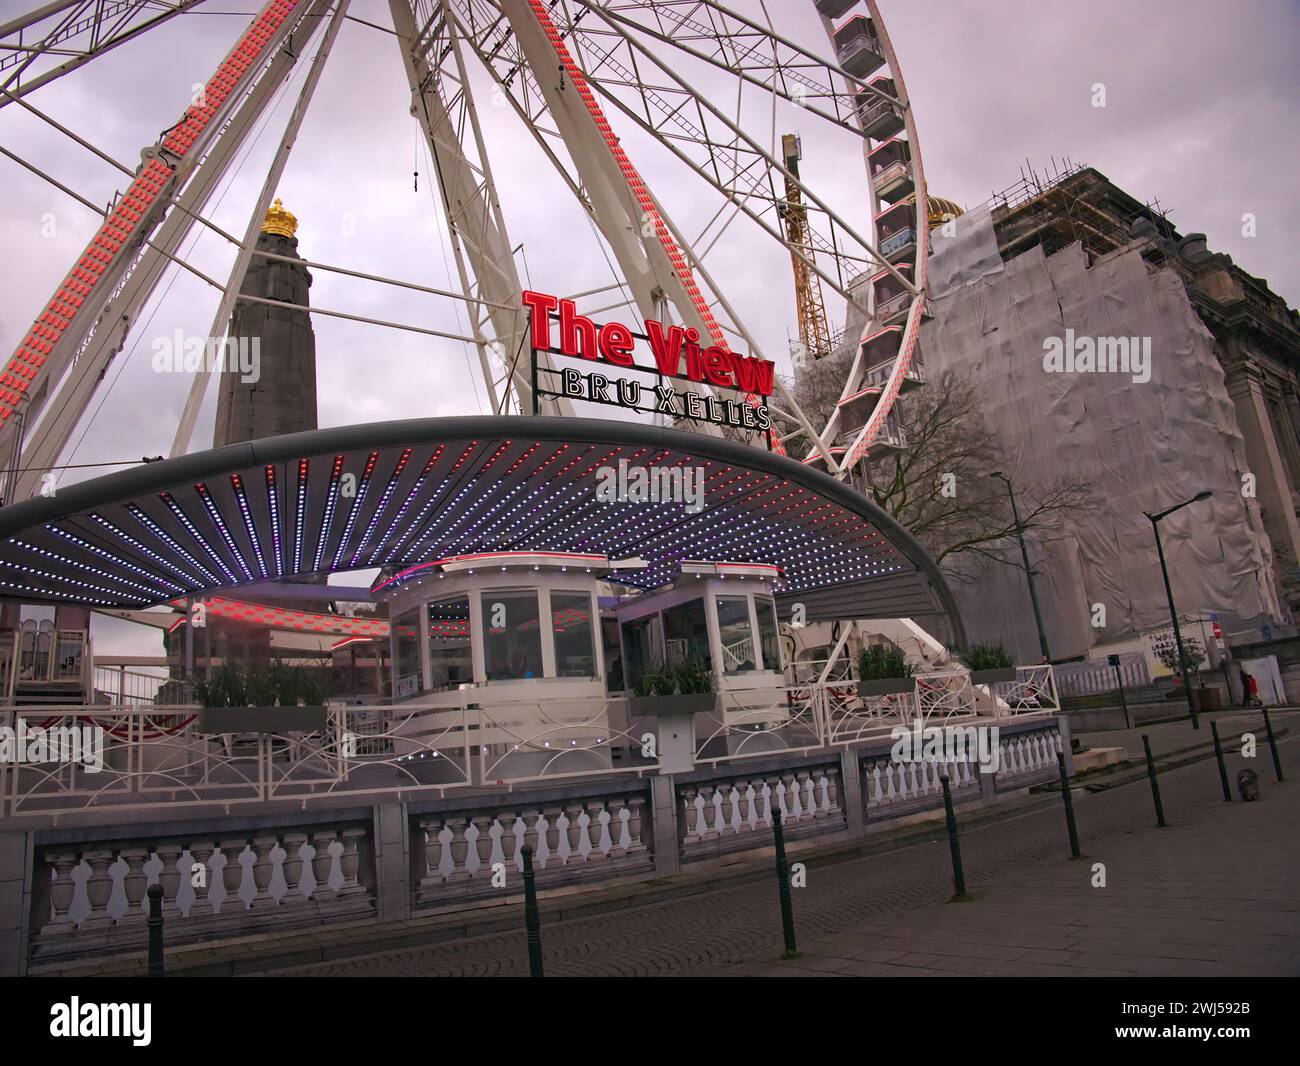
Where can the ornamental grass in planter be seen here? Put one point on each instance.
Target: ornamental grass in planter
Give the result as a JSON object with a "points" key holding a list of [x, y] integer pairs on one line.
{"points": [[273, 698], [884, 671], [673, 688], [989, 664]]}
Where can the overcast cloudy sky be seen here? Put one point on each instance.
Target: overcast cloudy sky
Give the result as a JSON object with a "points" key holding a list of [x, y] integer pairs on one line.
{"points": [[1201, 107]]}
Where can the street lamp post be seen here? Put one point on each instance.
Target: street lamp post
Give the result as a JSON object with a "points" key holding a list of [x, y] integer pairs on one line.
{"points": [[1029, 573], [1169, 595]]}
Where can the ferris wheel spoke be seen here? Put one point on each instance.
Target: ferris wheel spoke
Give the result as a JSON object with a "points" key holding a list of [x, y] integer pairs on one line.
{"points": [[763, 208], [746, 49], [86, 30], [493, 44], [480, 242], [714, 146]]}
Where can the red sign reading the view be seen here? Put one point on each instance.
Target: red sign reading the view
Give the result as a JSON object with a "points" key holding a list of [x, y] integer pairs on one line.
{"points": [[677, 352]]}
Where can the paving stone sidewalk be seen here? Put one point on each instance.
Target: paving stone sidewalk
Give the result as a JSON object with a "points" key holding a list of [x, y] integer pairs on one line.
{"points": [[1217, 892]]}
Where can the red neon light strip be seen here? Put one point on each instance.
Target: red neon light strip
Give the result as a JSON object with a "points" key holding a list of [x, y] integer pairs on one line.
{"points": [[303, 621]]}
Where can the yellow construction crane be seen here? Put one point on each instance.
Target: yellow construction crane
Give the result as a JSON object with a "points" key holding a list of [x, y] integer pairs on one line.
{"points": [[814, 334]]}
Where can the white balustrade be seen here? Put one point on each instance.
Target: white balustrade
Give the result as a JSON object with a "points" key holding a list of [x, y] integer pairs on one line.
{"points": [[1031, 753], [888, 783], [98, 896], [728, 810], [582, 839]]}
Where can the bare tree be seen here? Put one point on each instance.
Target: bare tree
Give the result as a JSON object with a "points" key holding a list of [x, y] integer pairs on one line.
{"points": [[939, 488]]}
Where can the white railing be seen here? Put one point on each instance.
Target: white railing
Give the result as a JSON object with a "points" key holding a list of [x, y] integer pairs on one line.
{"points": [[150, 755], [752, 722], [133, 687], [942, 697], [7, 671], [1097, 675], [742, 651], [851, 718], [1032, 692]]}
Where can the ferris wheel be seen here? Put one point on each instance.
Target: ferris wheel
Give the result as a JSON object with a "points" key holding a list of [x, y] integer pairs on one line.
{"points": [[586, 79]]}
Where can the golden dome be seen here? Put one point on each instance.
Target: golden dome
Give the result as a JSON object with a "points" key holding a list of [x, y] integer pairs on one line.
{"points": [[279, 221], [939, 209]]}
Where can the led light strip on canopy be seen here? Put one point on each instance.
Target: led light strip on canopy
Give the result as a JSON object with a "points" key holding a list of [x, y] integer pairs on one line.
{"points": [[526, 486]]}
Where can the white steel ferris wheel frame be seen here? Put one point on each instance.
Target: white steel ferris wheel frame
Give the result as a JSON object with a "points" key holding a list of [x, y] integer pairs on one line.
{"points": [[565, 67]]}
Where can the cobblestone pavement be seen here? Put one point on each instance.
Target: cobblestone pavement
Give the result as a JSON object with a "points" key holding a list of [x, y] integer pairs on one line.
{"points": [[1217, 892]]}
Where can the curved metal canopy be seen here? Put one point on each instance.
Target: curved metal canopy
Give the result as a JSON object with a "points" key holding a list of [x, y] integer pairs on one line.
{"points": [[393, 494]]}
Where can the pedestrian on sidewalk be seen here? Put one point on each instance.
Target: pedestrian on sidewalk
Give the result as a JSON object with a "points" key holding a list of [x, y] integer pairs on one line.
{"points": [[1249, 689]]}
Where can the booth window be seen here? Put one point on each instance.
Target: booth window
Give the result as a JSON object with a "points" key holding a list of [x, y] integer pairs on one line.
{"points": [[575, 650], [450, 660], [767, 632], [406, 644], [512, 637], [736, 635], [686, 632], [613, 655], [641, 642]]}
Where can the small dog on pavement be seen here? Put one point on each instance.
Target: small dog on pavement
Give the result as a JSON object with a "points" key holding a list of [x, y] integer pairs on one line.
{"points": [[1248, 785]]}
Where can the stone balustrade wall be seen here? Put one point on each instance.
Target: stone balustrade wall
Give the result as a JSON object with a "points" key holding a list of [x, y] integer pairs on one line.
{"points": [[734, 812], [587, 839], [214, 888], [893, 789], [1029, 758]]}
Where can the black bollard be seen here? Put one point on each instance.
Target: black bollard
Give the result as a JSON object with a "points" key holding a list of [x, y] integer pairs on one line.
{"points": [[1272, 743], [1069, 806], [532, 920], [1223, 767], [1128, 722], [155, 924], [958, 874], [1155, 785], [783, 884]]}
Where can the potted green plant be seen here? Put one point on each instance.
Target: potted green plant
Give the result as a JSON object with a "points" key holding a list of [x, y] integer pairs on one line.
{"points": [[275, 698], [884, 671], [672, 688], [989, 664]]}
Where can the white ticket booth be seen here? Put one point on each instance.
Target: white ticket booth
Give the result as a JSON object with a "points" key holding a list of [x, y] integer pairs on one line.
{"points": [[722, 615], [497, 655], [510, 666]]}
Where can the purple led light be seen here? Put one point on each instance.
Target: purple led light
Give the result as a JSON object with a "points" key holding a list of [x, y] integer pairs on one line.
{"points": [[273, 509], [220, 523], [331, 498], [355, 510], [148, 523]]}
